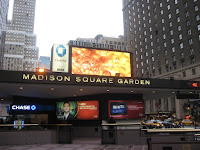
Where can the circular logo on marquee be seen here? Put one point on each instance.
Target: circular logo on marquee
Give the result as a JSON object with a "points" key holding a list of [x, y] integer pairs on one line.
{"points": [[61, 51], [33, 107]]}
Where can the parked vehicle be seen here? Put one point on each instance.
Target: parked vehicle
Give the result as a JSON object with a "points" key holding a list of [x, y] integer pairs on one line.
{"points": [[154, 124], [188, 122]]}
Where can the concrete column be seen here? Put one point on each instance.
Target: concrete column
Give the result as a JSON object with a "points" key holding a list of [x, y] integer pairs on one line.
{"points": [[154, 104], [147, 107], [169, 104], [180, 114], [163, 104]]}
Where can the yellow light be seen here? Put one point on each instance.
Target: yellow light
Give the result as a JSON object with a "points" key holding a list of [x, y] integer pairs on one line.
{"points": [[173, 92], [108, 90], [21, 88], [74, 95], [190, 92], [81, 89], [52, 89], [154, 91], [2, 99], [41, 70], [131, 91]]}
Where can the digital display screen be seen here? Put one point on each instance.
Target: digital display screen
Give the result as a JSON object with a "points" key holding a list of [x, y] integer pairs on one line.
{"points": [[118, 108], [100, 62], [126, 109], [80, 110]]}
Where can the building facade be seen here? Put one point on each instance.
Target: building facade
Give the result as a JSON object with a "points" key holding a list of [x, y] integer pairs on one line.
{"points": [[44, 62], [164, 37], [20, 51], [101, 41], [3, 19]]}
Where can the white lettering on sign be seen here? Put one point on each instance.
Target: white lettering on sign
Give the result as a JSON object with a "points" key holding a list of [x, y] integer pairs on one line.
{"points": [[23, 107]]}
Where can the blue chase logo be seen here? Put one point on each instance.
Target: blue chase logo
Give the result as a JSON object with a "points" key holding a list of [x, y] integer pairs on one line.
{"points": [[61, 51]]}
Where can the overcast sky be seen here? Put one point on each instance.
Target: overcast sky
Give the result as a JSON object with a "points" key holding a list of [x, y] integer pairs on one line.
{"points": [[58, 21]]}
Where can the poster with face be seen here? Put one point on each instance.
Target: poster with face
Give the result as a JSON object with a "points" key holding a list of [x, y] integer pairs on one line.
{"points": [[81, 110]]}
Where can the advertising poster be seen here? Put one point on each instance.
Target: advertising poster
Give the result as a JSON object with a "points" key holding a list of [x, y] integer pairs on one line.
{"points": [[88, 110], [66, 110], [100, 62], [60, 58], [126, 109], [81, 110]]}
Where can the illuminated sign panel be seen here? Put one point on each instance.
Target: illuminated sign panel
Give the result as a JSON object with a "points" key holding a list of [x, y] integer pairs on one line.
{"points": [[81, 110], [194, 84], [60, 58], [23, 107], [100, 62]]}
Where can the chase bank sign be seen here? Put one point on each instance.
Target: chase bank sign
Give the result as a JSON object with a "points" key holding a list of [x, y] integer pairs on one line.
{"points": [[23, 107]]}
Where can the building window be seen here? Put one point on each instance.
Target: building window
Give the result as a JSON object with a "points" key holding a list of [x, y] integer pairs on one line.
{"points": [[169, 16], [188, 23], [168, 7], [167, 68], [178, 19], [159, 70], [192, 61], [197, 17], [174, 65], [198, 27], [152, 58], [174, 58], [165, 53], [164, 36], [172, 41], [180, 36], [181, 45], [196, 8], [193, 71], [191, 52], [182, 55], [189, 32], [171, 32], [185, 5], [173, 49], [182, 63], [187, 14], [177, 11], [184, 74], [166, 61], [190, 42], [170, 24]]}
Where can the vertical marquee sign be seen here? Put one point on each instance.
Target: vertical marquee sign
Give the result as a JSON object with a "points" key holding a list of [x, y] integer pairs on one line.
{"points": [[60, 58]]}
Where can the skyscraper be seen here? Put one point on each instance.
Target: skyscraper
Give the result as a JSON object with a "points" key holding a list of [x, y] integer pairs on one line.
{"points": [[3, 19], [164, 37], [20, 51]]}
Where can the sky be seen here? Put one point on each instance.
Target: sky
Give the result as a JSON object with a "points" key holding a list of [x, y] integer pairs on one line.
{"points": [[58, 21]]}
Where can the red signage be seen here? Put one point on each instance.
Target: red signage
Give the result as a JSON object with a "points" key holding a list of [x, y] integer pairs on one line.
{"points": [[194, 84], [88, 110]]}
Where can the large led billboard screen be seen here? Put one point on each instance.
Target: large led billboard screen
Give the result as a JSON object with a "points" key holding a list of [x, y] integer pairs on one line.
{"points": [[125, 109], [81, 110], [100, 62]]}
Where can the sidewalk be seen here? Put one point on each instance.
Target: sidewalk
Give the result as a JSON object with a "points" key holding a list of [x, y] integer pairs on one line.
{"points": [[75, 147]]}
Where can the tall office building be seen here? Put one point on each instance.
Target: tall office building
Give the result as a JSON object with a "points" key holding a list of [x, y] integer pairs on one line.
{"points": [[20, 51], [164, 37], [3, 19]]}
